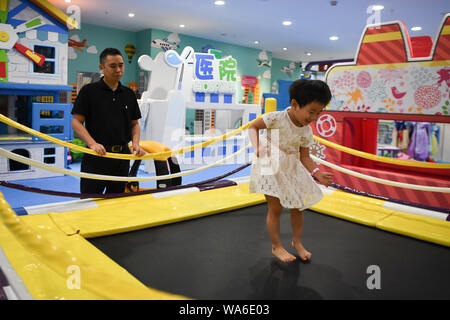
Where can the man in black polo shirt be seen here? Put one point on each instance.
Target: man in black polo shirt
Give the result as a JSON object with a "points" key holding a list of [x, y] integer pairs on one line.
{"points": [[110, 112]]}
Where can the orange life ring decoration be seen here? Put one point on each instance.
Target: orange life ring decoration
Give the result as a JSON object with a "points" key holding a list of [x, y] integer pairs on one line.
{"points": [[326, 125]]}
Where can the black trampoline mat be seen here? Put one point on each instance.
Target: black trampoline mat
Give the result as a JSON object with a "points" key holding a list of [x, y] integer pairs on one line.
{"points": [[228, 256]]}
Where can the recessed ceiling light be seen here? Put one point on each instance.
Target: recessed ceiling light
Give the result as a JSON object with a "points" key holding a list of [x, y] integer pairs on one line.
{"points": [[182, 26], [287, 23], [334, 38], [256, 42], [377, 7], [131, 14], [219, 2], [285, 49], [308, 53], [416, 28]]}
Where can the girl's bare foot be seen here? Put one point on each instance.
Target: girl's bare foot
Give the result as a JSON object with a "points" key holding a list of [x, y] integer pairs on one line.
{"points": [[282, 254], [304, 254]]}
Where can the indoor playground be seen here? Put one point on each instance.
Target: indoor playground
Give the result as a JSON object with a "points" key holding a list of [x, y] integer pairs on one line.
{"points": [[187, 226]]}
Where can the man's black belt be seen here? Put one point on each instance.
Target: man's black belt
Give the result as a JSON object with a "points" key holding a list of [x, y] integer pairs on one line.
{"points": [[116, 148]]}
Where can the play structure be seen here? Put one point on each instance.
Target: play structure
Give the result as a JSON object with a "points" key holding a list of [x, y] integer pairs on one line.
{"points": [[393, 77], [33, 76], [191, 98]]}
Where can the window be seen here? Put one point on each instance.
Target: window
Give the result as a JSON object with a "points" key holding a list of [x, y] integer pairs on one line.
{"points": [[49, 65], [49, 155], [19, 166]]}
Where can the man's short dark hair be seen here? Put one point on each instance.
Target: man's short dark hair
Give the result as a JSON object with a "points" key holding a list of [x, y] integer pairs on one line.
{"points": [[307, 91], [109, 52]]}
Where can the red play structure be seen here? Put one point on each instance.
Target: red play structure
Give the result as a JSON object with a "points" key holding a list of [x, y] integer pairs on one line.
{"points": [[388, 80]]}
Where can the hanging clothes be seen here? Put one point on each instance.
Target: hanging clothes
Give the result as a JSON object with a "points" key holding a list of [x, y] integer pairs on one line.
{"points": [[419, 147], [401, 136]]}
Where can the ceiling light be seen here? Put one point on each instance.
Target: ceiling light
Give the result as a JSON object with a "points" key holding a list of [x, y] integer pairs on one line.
{"points": [[377, 7], [256, 42], [334, 38], [68, 1], [287, 23], [182, 26], [219, 3], [308, 53], [284, 49], [416, 28], [131, 14]]}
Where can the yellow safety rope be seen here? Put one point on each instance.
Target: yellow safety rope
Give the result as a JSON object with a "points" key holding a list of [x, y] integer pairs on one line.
{"points": [[165, 154]]}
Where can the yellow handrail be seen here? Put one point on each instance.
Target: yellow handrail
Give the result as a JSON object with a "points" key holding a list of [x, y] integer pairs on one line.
{"points": [[165, 154]]}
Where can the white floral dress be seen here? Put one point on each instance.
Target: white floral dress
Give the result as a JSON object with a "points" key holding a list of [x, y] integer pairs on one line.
{"points": [[278, 171]]}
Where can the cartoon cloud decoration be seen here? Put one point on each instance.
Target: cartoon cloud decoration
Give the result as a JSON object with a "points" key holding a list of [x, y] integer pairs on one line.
{"points": [[130, 50]]}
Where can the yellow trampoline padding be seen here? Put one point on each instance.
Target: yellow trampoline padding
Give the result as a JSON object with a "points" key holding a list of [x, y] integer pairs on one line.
{"points": [[44, 257], [419, 227], [133, 213], [44, 278], [44, 283], [41, 281], [351, 207]]}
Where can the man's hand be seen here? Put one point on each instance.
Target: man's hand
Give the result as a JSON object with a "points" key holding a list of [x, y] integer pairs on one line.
{"points": [[99, 148], [137, 150]]}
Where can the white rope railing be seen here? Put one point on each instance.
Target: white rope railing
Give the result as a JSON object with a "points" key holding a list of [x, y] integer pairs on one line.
{"points": [[44, 166], [379, 180]]}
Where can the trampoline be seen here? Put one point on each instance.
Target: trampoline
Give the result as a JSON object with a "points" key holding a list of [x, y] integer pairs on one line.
{"points": [[227, 256], [204, 243]]}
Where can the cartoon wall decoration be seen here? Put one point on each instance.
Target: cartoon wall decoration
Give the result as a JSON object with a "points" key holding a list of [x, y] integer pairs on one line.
{"points": [[289, 69], [170, 43], [399, 79], [264, 61], [396, 80], [75, 43]]}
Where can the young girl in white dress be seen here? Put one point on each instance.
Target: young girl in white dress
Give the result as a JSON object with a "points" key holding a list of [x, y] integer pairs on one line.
{"points": [[282, 169]]}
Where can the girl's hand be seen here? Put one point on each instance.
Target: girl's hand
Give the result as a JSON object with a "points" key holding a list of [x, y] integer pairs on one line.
{"points": [[325, 178]]}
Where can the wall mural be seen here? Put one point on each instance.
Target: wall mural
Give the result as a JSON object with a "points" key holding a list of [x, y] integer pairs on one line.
{"points": [[264, 61], [171, 42], [75, 43], [130, 51], [289, 69], [406, 88]]}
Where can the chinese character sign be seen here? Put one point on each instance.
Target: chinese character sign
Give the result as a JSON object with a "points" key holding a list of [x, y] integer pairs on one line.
{"points": [[204, 66], [207, 67], [214, 75], [227, 69]]}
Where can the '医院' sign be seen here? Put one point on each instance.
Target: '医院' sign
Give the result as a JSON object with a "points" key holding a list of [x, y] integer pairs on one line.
{"points": [[214, 75]]}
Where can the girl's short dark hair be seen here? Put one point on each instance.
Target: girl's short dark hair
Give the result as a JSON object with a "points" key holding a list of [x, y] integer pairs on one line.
{"points": [[307, 91], [109, 52]]}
